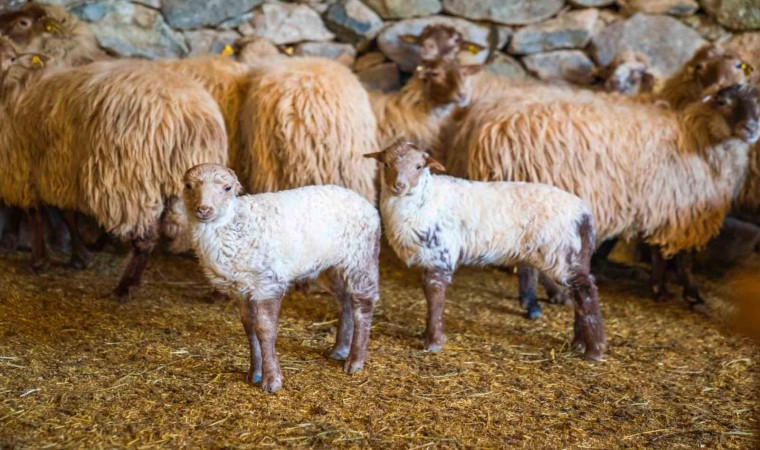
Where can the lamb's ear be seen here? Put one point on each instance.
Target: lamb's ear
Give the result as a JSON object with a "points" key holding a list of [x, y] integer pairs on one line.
{"points": [[376, 155], [433, 163], [237, 185], [410, 39], [472, 69]]}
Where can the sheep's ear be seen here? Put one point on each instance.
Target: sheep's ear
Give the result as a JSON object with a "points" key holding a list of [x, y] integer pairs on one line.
{"points": [[32, 60], [410, 39], [471, 47], [377, 155], [471, 69], [433, 163]]}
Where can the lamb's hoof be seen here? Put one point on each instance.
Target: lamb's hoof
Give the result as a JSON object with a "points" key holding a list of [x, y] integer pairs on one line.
{"points": [[80, 261], [339, 354], [435, 344], [253, 376], [352, 366], [39, 266], [271, 383], [593, 355], [578, 346], [534, 312], [217, 297], [560, 298]]}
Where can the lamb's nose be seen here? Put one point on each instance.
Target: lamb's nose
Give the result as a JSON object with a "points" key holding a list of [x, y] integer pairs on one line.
{"points": [[400, 186], [204, 211]]}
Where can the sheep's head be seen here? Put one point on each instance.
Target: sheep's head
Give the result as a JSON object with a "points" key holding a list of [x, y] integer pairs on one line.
{"points": [[31, 21], [440, 41], [209, 190], [404, 165], [447, 82], [629, 74], [737, 113], [16, 68], [714, 68]]}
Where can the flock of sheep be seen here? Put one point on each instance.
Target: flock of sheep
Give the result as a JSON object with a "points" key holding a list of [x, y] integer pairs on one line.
{"points": [[145, 149]]}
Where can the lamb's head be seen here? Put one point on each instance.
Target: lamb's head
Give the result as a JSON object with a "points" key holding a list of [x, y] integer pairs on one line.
{"points": [[31, 21], [16, 69], [714, 68], [210, 190], [440, 41], [735, 113], [629, 74], [404, 165], [447, 82]]}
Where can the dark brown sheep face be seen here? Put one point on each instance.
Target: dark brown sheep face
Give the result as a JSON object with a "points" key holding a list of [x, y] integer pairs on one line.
{"points": [[404, 164], [440, 41], [209, 190], [447, 82], [715, 68], [738, 109], [27, 23]]}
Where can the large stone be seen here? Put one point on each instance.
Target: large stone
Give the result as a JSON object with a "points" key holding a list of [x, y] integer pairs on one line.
{"points": [[352, 21], [707, 27], [383, 77], [209, 41], [509, 12], [343, 53], [403, 9], [506, 66], [129, 29], [570, 65], [283, 23], [406, 55], [500, 36], [737, 15], [667, 42], [591, 3], [186, 14], [571, 30], [672, 7]]}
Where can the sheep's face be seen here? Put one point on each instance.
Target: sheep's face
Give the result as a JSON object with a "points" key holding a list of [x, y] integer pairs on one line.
{"points": [[404, 164], [715, 68], [24, 25], [440, 41], [209, 190], [15, 67], [447, 82], [738, 113]]}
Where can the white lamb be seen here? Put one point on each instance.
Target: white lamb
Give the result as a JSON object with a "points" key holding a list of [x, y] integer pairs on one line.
{"points": [[253, 247], [440, 223]]}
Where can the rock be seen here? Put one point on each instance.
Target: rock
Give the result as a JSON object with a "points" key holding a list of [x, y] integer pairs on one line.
{"points": [[591, 3], [707, 27], [235, 22], [672, 7], [571, 30], [747, 45], [389, 40], [11, 4], [149, 3], [383, 77], [368, 60], [667, 42], [352, 21], [403, 9], [90, 12], [283, 23], [343, 53], [209, 41], [570, 65], [506, 66], [509, 12], [737, 15], [186, 14], [129, 29], [500, 36]]}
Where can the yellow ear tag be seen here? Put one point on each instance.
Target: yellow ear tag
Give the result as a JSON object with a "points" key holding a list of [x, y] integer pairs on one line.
{"points": [[748, 69], [228, 50], [473, 48], [37, 61], [289, 50]]}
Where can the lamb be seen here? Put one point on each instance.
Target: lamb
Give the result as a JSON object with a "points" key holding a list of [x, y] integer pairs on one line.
{"points": [[307, 121], [630, 74], [110, 139], [253, 247], [439, 223], [668, 176]]}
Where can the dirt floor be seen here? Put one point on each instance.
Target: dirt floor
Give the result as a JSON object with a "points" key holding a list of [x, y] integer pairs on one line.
{"points": [[80, 370]]}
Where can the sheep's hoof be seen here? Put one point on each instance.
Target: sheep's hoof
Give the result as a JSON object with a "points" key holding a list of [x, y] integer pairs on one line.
{"points": [[80, 261], [9, 243], [560, 298], [123, 294], [435, 344], [253, 377], [661, 296], [271, 383], [217, 297], [534, 312], [352, 366], [339, 353]]}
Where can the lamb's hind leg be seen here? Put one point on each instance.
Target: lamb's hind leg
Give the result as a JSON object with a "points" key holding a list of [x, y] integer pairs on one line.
{"points": [[246, 316], [436, 282], [345, 318], [364, 288], [266, 314], [138, 259], [527, 277], [684, 262]]}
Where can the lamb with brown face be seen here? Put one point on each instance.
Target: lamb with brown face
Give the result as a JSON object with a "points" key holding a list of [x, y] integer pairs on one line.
{"points": [[253, 247]]}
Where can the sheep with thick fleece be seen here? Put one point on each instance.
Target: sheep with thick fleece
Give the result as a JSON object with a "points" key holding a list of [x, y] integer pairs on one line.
{"points": [[307, 121], [668, 176], [253, 247], [440, 223], [110, 139]]}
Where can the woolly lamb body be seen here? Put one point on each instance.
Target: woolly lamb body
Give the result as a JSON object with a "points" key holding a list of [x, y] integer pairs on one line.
{"points": [[307, 121], [253, 247]]}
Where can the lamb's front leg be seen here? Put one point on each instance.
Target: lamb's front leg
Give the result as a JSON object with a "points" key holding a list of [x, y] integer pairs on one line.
{"points": [[658, 282], [527, 278], [345, 332], [436, 282], [266, 313], [246, 316]]}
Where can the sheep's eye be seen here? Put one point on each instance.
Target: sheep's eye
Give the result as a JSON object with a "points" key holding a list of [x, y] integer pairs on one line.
{"points": [[227, 188], [25, 23], [13, 59], [419, 166], [386, 165], [188, 186]]}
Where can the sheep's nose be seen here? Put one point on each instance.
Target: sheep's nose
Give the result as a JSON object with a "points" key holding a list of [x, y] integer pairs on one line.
{"points": [[204, 211]]}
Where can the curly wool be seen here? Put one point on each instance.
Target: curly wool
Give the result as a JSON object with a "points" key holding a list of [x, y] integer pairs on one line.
{"points": [[307, 121]]}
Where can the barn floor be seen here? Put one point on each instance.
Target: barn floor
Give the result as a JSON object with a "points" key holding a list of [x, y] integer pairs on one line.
{"points": [[80, 370]]}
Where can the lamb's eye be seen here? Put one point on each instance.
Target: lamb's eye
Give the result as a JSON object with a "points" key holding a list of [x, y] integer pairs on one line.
{"points": [[386, 165], [227, 188], [13, 59], [188, 186], [419, 166]]}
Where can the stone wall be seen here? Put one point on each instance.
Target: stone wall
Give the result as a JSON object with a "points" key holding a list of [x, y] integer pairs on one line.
{"points": [[548, 39]]}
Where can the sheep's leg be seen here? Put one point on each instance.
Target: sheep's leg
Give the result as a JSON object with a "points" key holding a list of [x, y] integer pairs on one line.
{"points": [[266, 314], [436, 282], [58, 224], [11, 229], [39, 259], [589, 335], [138, 259], [684, 262], [527, 277], [556, 294], [80, 256], [246, 316], [657, 282], [345, 319]]}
